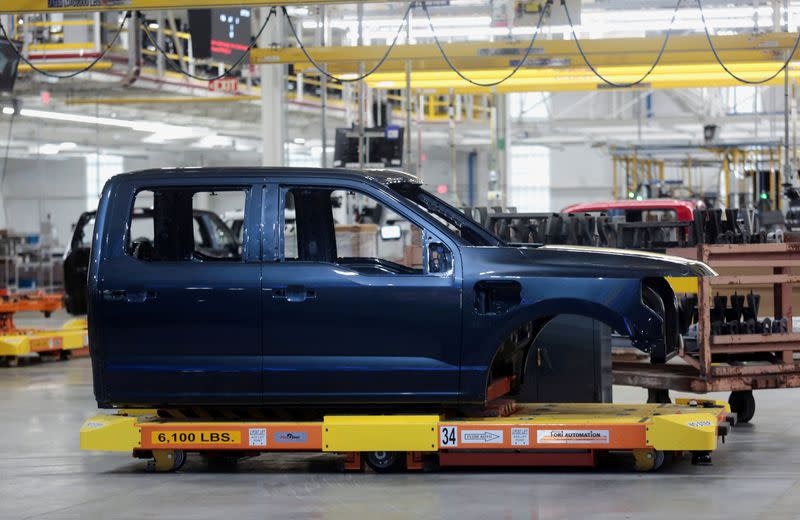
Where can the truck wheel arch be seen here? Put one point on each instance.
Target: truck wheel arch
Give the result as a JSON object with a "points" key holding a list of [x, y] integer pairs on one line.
{"points": [[539, 315]]}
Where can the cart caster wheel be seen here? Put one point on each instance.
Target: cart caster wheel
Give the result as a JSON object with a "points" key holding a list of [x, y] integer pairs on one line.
{"points": [[11, 361], [386, 461], [64, 355], [658, 396], [701, 458], [165, 461], [743, 405], [648, 460]]}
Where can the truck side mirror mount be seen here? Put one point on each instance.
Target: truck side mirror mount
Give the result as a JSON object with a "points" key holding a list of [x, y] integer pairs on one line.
{"points": [[440, 260]]}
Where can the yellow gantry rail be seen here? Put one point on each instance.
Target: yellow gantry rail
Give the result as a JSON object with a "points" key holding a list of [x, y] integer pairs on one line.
{"points": [[555, 64], [54, 6]]}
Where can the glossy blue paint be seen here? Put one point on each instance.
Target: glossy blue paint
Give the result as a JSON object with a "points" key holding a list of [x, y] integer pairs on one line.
{"points": [[265, 331]]}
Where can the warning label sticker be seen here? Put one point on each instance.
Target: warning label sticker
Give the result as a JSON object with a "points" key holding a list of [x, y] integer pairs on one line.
{"points": [[572, 437], [257, 437], [64, 4], [520, 437], [482, 436]]}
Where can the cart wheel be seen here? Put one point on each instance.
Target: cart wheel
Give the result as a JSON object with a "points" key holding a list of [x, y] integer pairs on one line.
{"points": [[64, 355], [167, 461], [658, 396], [386, 461], [743, 404], [648, 459]]}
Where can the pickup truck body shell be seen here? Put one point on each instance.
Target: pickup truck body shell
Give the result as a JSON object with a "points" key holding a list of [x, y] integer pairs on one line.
{"points": [[216, 334]]}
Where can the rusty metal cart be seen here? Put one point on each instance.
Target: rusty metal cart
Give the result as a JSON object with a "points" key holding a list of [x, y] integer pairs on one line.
{"points": [[739, 363]]}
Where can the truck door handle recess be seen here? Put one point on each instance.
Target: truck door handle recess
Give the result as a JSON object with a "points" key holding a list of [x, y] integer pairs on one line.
{"points": [[118, 295], [114, 296], [293, 294], [139, 296]]}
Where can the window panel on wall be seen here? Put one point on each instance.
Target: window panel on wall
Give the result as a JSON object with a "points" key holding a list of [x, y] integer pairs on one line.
{"points": [[529, 105], [99, 168], [529, 179]]}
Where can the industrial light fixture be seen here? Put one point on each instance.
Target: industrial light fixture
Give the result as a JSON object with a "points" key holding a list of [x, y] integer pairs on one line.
{"points": [[53, 149], [162, 132]]}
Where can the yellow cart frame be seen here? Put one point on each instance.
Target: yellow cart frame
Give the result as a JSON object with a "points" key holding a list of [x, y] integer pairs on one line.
{"points": [[531, 435]]}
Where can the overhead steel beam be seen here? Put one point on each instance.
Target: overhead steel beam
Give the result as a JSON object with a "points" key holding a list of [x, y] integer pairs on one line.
{"points": [[55, 6], [555, 65], [546, 53]]}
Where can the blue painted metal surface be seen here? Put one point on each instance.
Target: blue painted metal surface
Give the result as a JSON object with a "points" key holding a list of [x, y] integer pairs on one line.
{"points": [[264, 331]]}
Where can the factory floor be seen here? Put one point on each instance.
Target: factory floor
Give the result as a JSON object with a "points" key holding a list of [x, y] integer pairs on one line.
{"points": [[44, 475]]}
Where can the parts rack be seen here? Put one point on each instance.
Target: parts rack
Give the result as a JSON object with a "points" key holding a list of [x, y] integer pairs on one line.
{"points": [[528, 435]]}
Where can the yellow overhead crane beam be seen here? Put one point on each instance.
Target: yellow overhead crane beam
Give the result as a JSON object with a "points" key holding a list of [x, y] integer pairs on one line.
{"points": [[553, 64], [88, 6]]}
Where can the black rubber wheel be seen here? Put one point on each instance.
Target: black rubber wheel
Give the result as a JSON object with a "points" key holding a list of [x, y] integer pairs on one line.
{"points": [[743, 405], [180, 460], [386, 461], [658, 396], [658, 355]]}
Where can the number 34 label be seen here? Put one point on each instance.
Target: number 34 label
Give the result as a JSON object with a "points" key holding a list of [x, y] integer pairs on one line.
{"points": [[448, 436], [175, 438]]}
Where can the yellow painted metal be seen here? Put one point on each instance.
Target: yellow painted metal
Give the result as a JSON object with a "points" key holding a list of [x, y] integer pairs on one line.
{"points": [[644, 459], [42, 341], [688, 49], [683, 432], [160, 100], [78, 46], [59, 23], [686, 285], [575, 79], [380, 433], [110, 433], [66, 66], [169, 55], [75, 323], [687, 62], [726, 179], [51, 6], [692, 401]]}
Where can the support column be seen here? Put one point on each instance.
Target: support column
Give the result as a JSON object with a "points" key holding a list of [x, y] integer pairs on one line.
{"points": [[503, 147], [273, 129]]}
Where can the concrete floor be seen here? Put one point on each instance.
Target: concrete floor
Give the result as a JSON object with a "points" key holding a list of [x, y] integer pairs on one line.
{"points": [[44, 475]]}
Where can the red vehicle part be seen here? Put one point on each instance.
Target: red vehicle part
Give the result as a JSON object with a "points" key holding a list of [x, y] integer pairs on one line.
{"points": [[684, 209]]}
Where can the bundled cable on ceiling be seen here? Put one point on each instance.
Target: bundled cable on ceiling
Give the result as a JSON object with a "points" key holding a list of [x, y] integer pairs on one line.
{"points": [[646, 74], [730, 72], [508, 76], [72, 74], [341, 79]]}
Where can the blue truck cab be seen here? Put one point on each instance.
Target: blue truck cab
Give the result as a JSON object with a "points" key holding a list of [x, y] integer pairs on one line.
{"points": [[374, 292]]}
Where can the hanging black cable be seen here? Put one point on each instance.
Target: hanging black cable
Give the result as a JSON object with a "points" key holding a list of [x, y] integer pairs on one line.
{"points": [[348, 80], [730, 72], [177, 68], [519, 65], [74, 73], [646, 74]]}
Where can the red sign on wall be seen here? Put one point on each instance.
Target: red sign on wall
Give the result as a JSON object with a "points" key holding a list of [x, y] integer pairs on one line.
{"points": [[229, 85]]}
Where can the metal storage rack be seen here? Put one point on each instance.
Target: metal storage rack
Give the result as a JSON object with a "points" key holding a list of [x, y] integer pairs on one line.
{"points": [[778, 364]]}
